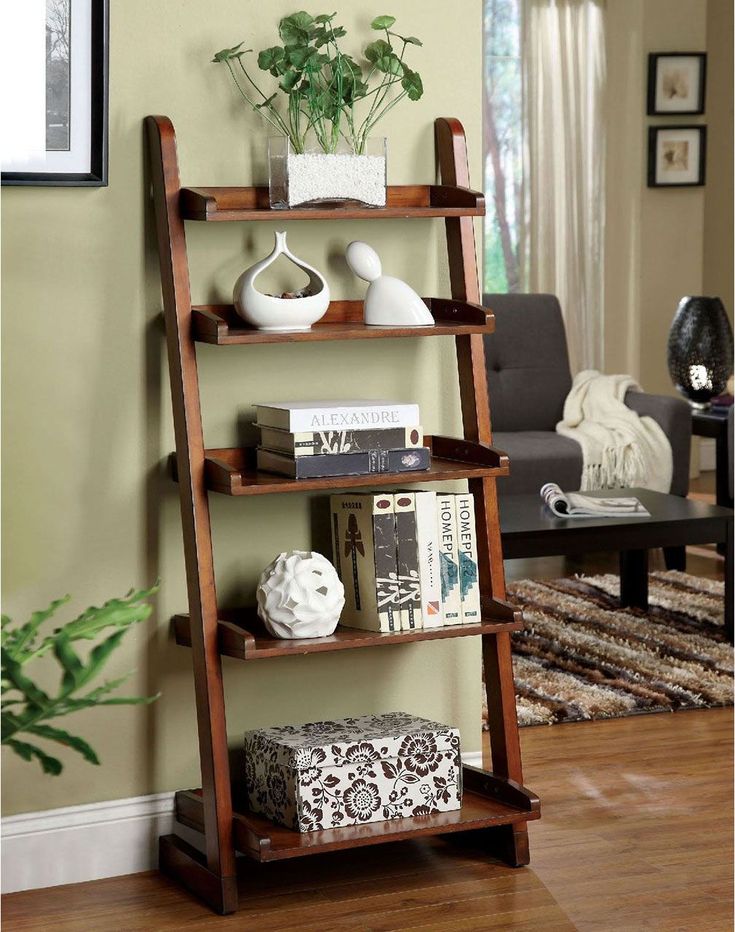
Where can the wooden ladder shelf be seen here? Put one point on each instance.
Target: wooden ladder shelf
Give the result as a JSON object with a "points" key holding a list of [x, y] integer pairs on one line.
{"points": [[496, 807]]}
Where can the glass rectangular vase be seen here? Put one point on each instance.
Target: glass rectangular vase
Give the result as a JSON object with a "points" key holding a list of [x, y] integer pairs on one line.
{"points": [[315, 178]]}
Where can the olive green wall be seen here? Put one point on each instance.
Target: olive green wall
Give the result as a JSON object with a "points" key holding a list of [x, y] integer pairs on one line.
{"points": [[718, 226], [87, 422], [87, 418]]}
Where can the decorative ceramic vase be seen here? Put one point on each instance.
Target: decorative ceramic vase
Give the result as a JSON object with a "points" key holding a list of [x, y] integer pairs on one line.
{"points": [[700, 349], [300, 595], [269, 312], [389, 302], [316, 178]]}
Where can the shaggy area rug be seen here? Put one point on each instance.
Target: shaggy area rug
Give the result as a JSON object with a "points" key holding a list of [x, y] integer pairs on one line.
{"points": [[583, 657]]}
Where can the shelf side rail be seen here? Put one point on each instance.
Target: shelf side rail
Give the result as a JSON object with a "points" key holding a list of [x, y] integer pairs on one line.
{"points": [[216, 880], [451, 150]]}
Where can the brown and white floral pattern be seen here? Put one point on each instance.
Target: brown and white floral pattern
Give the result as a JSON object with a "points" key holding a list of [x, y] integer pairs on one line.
{"points": [[367, 769], [361, 800], [421, 753]]}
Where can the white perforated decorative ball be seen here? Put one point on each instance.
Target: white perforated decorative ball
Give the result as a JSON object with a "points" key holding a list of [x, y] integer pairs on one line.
{"points": [[300, 595]]}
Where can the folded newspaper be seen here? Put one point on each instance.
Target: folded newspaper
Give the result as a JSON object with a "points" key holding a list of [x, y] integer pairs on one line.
{"points": [[577, 505]]}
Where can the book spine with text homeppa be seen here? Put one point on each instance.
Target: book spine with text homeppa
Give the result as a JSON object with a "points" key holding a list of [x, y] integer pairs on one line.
{"points": [[370, 593], [409, 585], [344, 464], [337, 417], [469, 583], [315, 442], [427, 546], [451, 598]]}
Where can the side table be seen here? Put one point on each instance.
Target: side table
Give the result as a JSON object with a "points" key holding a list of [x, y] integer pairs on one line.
{"points": [[714, 424]]}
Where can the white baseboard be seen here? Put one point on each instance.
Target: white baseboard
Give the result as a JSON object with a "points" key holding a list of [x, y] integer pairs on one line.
{"points": [[90, 842], [79, 843], [472, 758]]}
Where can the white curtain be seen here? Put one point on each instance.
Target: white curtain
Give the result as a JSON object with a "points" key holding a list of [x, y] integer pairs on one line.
{"points": [[564, 78]]}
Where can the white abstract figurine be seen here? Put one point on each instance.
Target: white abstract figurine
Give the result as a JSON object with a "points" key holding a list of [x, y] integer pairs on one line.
{"points": [[300, 595], [389, 302]]}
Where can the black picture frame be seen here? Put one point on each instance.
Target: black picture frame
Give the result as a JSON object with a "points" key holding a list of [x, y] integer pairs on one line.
{"points": [[653, 134], [654, 60], [98, 168]]}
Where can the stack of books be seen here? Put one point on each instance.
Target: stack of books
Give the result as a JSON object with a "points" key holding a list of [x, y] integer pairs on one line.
{"points": [[407, 560], [307, 440]]}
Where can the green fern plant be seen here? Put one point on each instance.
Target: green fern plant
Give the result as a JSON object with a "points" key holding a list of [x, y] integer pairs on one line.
{"points": [[323, 85], [27, 709]]}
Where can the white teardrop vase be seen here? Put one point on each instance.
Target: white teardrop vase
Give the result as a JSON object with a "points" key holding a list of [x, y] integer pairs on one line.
{"points": [[268, 312]]}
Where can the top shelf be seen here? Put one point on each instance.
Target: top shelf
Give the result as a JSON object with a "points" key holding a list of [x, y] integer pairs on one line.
{"points": [[419, 200]]}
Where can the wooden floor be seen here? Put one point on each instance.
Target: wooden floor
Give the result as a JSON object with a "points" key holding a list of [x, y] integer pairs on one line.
{"points": [[635, 834]]}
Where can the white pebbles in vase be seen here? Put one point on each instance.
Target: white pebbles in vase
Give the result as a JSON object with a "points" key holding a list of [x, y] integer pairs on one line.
{"points": [[297, 179]]}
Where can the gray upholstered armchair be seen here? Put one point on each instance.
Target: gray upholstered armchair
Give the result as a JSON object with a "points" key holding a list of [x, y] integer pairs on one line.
{"points": [[529, 379]]}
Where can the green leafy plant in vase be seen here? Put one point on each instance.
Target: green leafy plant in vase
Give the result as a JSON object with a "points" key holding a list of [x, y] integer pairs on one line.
{"points": [[28, 710], [325, 151]]}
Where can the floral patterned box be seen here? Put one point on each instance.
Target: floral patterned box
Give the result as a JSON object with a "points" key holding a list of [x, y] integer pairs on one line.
{"points": [[328, 774]]}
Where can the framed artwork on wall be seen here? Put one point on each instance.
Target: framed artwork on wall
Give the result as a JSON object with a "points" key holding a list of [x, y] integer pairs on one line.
{"points": [[676, 83], [59, 137], [676, 156]]}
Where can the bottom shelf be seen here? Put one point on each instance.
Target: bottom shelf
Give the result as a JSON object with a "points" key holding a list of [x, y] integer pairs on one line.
{"points": [[488, 801]]}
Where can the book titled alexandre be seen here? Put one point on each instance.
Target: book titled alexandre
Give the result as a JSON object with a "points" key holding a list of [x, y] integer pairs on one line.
{"points": [[323, 442], [344, 464], [297, 416]]}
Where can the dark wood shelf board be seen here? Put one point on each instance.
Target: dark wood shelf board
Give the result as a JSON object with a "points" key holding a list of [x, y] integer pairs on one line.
{"points": [[402, 201], [488, 802], [219, 324], [232, 471], [243, 635]]}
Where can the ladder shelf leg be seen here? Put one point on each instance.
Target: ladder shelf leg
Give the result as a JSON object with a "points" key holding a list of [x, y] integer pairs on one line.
{"points": [[496, 649], [215, 878], [183, 863]]}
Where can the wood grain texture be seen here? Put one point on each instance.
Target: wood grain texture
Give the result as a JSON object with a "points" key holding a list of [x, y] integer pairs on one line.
{"points": [[220, 324], [244, 636], [488, 801], [201, 590], [180, 860], [232, 470], [636, 835], [407, 201], [475, 400]]}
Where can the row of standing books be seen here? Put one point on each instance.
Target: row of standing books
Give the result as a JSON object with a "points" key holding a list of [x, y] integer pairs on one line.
{"points": [[408, 560], [307, 440]]}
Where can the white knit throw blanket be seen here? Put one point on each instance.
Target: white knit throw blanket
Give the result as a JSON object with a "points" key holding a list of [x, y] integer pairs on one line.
{"points": [[619, 448]]}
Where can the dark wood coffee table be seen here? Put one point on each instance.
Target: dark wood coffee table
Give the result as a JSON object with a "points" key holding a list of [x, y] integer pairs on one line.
{"points": [[529, 529]]}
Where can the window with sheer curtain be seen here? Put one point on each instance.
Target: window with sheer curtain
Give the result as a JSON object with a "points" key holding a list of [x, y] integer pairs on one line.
{"points": [[504, 264], [544, 158]]}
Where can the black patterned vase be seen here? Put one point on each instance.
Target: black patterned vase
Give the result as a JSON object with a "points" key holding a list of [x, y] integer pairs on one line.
{"points": [[700, 350]]}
